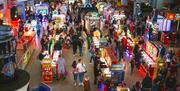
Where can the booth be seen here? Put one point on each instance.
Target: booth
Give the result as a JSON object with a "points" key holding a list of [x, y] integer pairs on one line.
{"points": [[108, 11], [60, 19], [92, 19], [49, 66], [100, 6], [149, 64]]}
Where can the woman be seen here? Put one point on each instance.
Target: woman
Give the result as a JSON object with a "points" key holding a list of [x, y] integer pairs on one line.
{"points": [[81, 67], [75, 72]]}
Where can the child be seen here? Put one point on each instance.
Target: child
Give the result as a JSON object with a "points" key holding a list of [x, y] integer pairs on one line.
{"points": [[86, 83]]}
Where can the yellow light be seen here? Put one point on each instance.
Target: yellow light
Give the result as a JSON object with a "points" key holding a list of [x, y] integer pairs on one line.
{"points": [[1, 15]]}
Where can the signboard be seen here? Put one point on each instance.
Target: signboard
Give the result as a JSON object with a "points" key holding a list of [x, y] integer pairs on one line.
{"points": [[177, 16], [42, 9]]}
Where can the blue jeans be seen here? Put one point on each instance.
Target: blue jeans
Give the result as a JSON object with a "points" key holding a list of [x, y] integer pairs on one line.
{"points": [[80, 51], [75, 75], [81, 77]]}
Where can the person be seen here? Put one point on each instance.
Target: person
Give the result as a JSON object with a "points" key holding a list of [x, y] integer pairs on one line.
{"points": [[81, 70], [44, 43], [61, 67], [171, 83], [147, 83], [132, 65], [74, 43], [162, 51], [41, 55], [137, 86], [155, 85], [58, 45], [80, 45], [75, 72], [86, 83]]}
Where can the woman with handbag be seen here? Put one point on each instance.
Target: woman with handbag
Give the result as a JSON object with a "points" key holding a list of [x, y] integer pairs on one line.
{"points": [[81, 67]]}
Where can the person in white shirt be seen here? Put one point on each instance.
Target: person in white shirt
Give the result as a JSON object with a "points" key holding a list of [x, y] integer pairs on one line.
{"points": [[81, 67], [61, 67]]}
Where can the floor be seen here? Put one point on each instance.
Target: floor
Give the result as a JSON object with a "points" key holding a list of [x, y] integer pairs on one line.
{"points": [[67, 85]]}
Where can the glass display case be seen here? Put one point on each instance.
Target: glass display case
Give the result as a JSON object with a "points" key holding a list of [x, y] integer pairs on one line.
{"points": [[7, 54]]}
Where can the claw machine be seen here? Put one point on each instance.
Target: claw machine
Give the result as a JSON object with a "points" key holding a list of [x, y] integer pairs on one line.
{"points": [[47, 73]]}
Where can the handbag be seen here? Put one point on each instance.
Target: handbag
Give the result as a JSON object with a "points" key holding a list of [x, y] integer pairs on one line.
{"points": [[83, 65]]}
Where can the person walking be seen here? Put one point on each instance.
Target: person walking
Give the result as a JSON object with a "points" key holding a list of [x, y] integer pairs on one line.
{"points": [[81, 71], [61, 67], [74, 43], [80, 45], [132, 65], [147, 83], [86, 82], [75, 72]]}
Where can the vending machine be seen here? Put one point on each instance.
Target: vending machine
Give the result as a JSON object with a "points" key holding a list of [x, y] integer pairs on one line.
{"points": [[117, 75]]}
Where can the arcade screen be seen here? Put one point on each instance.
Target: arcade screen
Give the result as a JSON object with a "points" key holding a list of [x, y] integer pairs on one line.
{"points": [[163, 24], [42, 11], [151, 50]]}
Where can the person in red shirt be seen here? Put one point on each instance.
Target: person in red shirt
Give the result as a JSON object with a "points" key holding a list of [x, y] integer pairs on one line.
{"points": [[125, 41]]}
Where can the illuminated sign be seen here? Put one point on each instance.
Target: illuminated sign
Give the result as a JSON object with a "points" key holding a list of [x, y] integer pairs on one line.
{"points": [[170, 16], [1, 15], [177, 16]]}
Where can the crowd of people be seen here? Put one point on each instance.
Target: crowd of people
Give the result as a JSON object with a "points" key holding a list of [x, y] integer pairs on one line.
{"points": [[74, 35]]}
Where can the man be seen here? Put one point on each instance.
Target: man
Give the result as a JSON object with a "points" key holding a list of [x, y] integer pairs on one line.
{"points": [[162, 51], [74, 43], [80, 44]]}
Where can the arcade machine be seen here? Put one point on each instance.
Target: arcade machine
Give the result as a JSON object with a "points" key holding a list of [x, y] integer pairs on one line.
{"points": [[149, 63], [43, 9], [59, 18], [117, 75], [11, 78], [47, 75]]}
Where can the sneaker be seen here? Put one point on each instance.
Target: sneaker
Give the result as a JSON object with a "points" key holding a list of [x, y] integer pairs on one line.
{"points": [[82, 84], [79, 84], [75, 84]]}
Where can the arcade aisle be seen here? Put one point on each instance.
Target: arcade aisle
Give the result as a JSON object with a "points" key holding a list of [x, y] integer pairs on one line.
{"points": [[67, 85]]}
